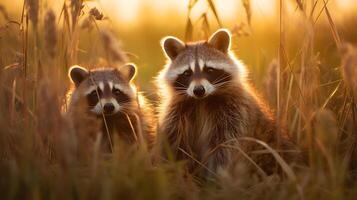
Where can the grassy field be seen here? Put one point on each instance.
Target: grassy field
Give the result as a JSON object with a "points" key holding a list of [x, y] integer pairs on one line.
{"points": [[303, 62]]}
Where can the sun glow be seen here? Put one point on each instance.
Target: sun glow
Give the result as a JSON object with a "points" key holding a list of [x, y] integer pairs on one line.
{"points": [[228, 10], [124, 10], [132, 11]]}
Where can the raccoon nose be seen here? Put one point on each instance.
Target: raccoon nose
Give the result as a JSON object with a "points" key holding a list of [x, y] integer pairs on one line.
{"points": [[108, 108], [199, 91]]}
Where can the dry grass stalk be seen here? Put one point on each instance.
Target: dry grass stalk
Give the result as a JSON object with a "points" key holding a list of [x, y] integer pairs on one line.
{"points": [[33, 11], [96, 14], [326, 129], [30, 118], [272, 81], [4, 13], [49, 121], [349, 66], [349, 72], [76, 7], [50, 33], [113, 48], [89, 21], [248, 10]]}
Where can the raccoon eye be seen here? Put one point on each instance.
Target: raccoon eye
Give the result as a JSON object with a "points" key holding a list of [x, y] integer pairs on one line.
{"points": [[93, 97], [93, 93], [210, 69], [116, 91], [187, 73]]}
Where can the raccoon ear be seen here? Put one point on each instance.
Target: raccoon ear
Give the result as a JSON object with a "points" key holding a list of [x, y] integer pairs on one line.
{"points": [[172, 46], [128, 70], [77, 74], [221, 40]]}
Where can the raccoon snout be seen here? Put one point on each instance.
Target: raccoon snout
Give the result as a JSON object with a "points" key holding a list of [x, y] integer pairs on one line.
{"points": [[199, 91], [108, 108]]}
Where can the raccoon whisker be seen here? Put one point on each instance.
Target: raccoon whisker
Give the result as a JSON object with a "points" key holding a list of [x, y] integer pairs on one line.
{"points": [[180, 83], [181, 93], [220, 77], [123, 102], [218, 80], [180, 88], [220, 85]]}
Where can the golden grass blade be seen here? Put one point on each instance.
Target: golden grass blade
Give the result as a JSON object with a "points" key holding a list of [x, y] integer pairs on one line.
{"points": [[300, 5], [13, 102], [248, 10], [132, 128], [331, 95], [4, 13], [189, 30], [333, 28], [191, 4], [198, 162], [205, 26], [260, 170], [286, 168], [103, 116], [214, 10]]}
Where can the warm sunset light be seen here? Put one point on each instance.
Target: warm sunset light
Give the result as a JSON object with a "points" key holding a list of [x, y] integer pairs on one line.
{"points": [[178, 99], [129, 11]]}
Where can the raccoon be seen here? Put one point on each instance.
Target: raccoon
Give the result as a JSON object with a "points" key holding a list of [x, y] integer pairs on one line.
{"points": [[107, 98], [208, 105]]}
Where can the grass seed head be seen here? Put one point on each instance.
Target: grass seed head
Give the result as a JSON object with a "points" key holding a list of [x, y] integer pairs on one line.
{"points": [[33, 10], [272, 80], [349, 66], [50, 33], [326, 128], [96, 13], [76, 7], [113, 47]]}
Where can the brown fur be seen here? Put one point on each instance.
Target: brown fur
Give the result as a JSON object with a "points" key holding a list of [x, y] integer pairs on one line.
{"points": [[137, 112], [201, 127]]}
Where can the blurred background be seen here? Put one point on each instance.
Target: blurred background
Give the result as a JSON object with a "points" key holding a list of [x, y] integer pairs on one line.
{"points": [[140, 24], [301, 55]]}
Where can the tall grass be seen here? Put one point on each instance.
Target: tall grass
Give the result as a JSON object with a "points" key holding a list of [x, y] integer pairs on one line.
{"points": [[41, 158]]}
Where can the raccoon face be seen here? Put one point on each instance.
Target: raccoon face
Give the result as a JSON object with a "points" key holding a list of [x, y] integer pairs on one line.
{"points": [[200, 80], [199, 69], [106, 91]]}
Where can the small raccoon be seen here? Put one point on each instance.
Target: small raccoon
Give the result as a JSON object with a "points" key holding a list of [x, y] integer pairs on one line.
{"points": [[109, 94], [208, 104]]}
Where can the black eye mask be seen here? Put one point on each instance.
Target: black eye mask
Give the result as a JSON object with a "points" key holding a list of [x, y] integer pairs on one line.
{"points": [[216, 76], [92, 98], [183, 80], [213, 75], [120, 96]]}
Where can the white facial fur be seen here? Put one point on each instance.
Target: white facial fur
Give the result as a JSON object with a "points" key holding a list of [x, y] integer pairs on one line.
{"points": [[98, 108], [209, 88], [223, 66], [90, 89], [172, 74], [126, 90]]}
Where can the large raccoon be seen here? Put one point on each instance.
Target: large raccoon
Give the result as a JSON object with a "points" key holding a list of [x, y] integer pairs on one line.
{"points": [[108, 98], [208, 105]]}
